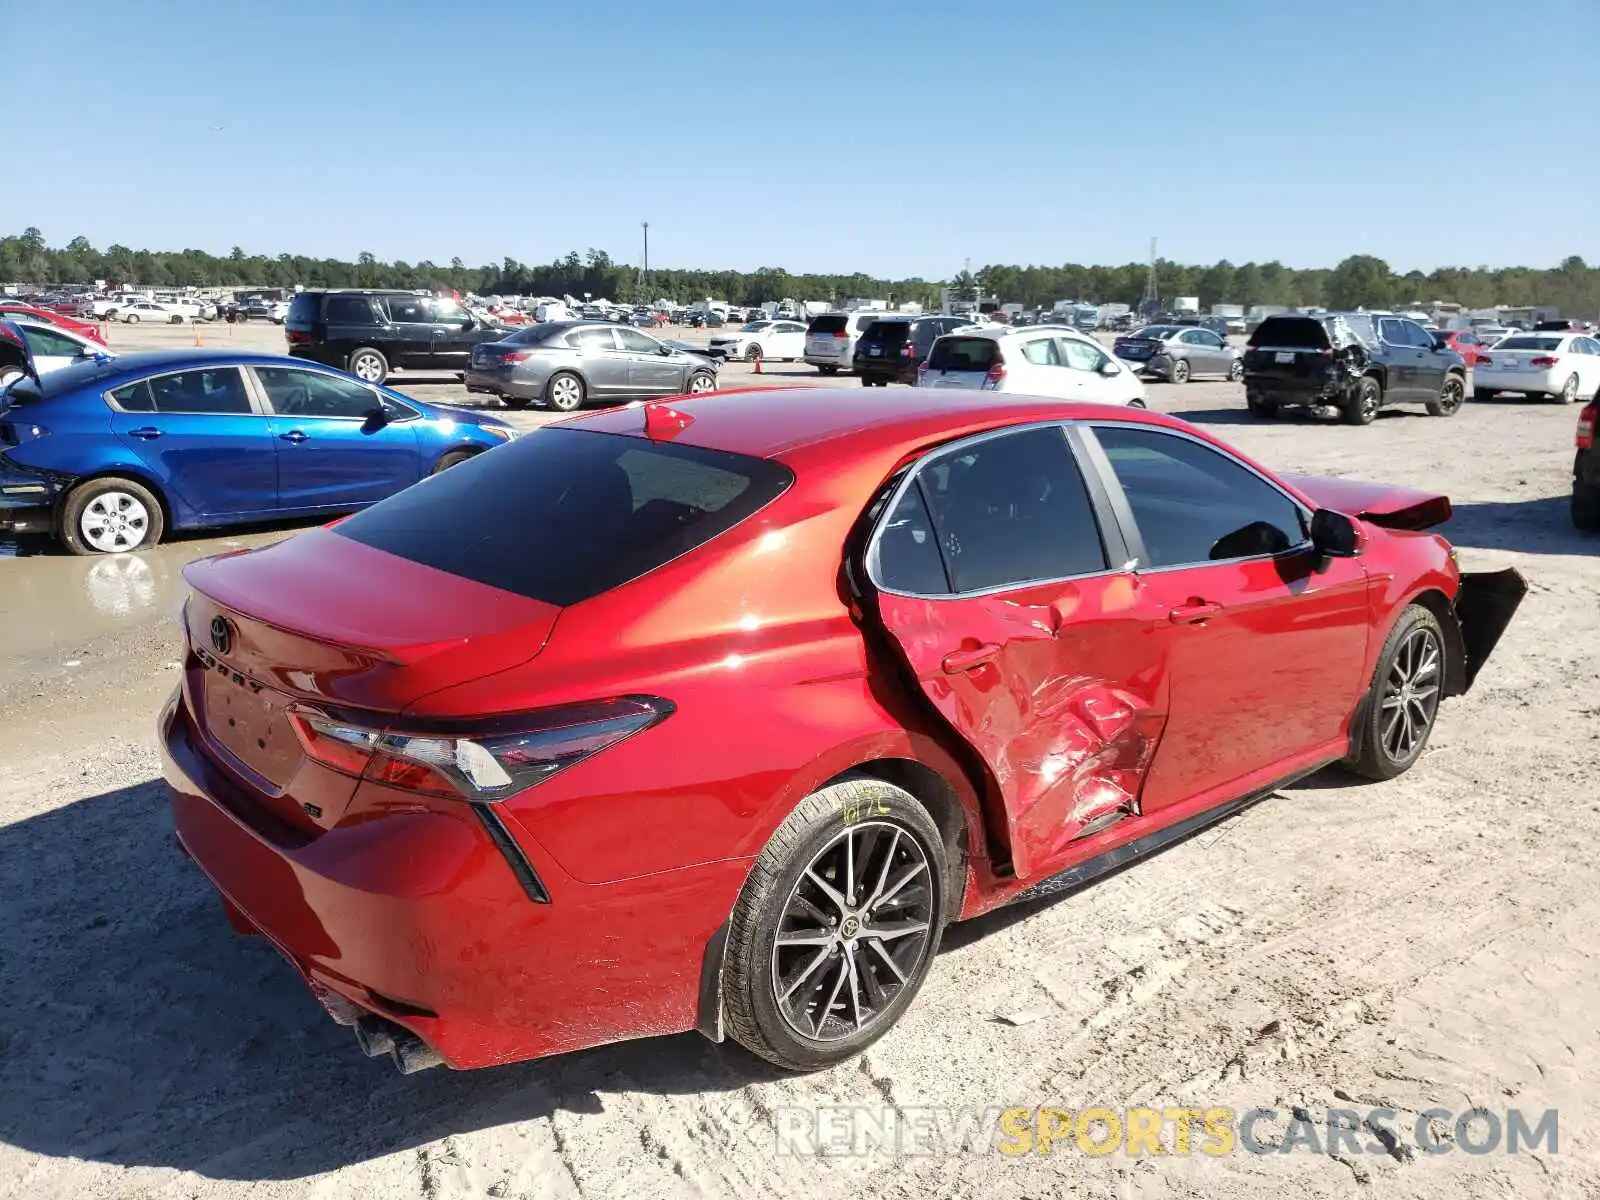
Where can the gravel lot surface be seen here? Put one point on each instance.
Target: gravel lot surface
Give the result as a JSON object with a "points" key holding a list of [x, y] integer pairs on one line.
{"points": [[1427, 942]]}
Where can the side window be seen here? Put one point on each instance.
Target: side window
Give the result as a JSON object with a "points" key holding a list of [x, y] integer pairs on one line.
{"points": [[1416, 335], [1010, 510], [1081, 356], [1390, 331], [47, 342], [906, 556], [1195, 505], [1042, 352], [1192, 337], [408, 310], [347, 310], [135, 397], [297, 393], [1206, 338], [595, 340], [214, 390], [1468, 339], [636, 343]]}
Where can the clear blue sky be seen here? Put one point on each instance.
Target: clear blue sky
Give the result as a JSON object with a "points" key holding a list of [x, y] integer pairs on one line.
{"points": [[895, 138]]}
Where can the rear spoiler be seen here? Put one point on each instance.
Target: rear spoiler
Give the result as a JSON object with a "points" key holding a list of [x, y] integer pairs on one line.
{"points": [[1381, 504]]}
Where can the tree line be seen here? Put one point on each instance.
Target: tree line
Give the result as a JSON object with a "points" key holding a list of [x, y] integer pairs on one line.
{"points": [[1359, 281]]}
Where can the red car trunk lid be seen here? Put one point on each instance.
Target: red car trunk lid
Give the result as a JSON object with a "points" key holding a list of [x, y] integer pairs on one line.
{"points": [[326, 621]]}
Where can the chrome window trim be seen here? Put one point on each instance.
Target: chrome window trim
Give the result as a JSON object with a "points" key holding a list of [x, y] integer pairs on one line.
{"points": [[1305, 513], [245, 377], [870, 554]]}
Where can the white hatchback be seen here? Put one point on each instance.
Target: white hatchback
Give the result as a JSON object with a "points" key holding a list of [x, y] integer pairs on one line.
{"points": [[1562, 366], [1037, 361]]}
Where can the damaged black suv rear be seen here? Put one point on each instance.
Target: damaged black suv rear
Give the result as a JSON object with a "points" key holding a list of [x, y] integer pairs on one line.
{"points": [[1356, 363]]}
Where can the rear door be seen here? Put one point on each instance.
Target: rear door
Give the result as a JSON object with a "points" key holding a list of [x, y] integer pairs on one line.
{"points": [[1406, 360], [650, 371], [992, 579], [1269, 643], [201, 435], [1435, 362], [411, 333], [1207, 354], [605, 364], [332, 452], [961, 362]]}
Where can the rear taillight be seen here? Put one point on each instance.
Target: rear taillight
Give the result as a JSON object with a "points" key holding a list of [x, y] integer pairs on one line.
{"points": [[1484, 360], [298, 337], [507, 756], [1586, 423], [1544, 360], [516, 356], [907, 350], [843, 333], [996, 372]]}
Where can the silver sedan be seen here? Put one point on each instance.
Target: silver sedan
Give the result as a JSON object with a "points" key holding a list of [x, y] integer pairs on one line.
{"points": [[567, 364]]}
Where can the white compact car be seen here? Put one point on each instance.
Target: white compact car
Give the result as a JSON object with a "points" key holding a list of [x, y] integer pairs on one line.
{"points": [[52, 347], [1035, 361], [1562, 366], [770, 340]]}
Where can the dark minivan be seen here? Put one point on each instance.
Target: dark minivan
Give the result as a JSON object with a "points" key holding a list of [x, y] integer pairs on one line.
{"points": [[891, 349], [370, 333]]}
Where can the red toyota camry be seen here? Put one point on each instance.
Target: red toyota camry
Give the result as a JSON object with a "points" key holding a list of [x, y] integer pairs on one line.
{"points": [[713, 713]]}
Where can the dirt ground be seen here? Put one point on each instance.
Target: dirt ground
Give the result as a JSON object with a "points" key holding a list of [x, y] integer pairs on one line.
{"points": [[1423, 943]]}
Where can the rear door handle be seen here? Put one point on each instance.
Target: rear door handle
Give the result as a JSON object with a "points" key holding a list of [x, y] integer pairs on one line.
{"points": [[145, 432], [968, 660], [1192, 614], [295, 436]]}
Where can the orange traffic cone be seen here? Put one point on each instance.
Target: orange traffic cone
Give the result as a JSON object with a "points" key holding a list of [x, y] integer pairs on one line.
{"points": [[197, 340], [758, 362]]}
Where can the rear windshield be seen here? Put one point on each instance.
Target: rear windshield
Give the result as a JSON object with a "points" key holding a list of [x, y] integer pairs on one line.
{"points": [[565, 514], [889, 333], [964, 354], [1528, 343], [1156, 332], [1304, 332], [303, 308], [828, 323]]}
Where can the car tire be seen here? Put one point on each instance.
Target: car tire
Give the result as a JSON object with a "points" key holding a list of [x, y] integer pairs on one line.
{"points": [[131, 319], [1236, 370], [1363, 405], [1451, 397], [1260, 406], [368, 365], [699, 383], [1568, 392], [895, 841], [454, 459], [565, 392], [9, 375], [752, 352], [1479, 395], [111, 515], [1399, 714], [828, 370], [1586, 506], [1180, 371], [176, 320]]}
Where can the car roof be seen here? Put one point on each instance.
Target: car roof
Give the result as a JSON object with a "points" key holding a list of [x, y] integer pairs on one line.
{"points": [[790, 422], [125, 368]]}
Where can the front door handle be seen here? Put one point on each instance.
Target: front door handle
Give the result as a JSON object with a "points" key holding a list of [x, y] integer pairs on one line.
{"points": [[295, 436], [145, 432], [968, 660], [1193, 613]]}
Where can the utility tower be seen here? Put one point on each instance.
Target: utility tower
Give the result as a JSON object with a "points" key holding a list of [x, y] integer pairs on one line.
{"points": [[1152, 294], [641, 283]]}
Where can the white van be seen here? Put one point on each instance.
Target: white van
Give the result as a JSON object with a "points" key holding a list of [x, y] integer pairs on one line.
{"points": [[831, 339]]}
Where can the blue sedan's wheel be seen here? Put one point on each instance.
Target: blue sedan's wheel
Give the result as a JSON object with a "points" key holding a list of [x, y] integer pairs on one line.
{"points": [[111, 516]]}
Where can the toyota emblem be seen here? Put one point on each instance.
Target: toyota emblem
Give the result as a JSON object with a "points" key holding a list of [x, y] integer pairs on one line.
{"points": [[221, 635]]}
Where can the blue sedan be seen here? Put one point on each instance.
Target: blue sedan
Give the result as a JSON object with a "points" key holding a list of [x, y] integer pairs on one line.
{"points": [[108, 454]]}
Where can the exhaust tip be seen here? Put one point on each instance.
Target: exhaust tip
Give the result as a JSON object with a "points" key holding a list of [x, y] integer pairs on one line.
{"points": [[378, 1037]]}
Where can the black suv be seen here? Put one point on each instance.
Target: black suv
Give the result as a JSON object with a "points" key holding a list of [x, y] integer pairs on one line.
{"points": [[1357, 363], [1586, 470], [890, 350], [369, 334]]}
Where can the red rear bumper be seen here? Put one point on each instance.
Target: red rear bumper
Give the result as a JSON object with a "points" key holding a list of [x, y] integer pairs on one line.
{"points": [[418, 917]]}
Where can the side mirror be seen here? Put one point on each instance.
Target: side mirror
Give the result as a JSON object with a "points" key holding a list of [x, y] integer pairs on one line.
{"points": [[666, 351], [467, 322], [1109, 368], [377, 417], [1334, 535]]}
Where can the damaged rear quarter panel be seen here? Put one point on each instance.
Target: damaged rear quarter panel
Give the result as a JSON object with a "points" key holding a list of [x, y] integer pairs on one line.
{"points": [[1066, 714]]}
